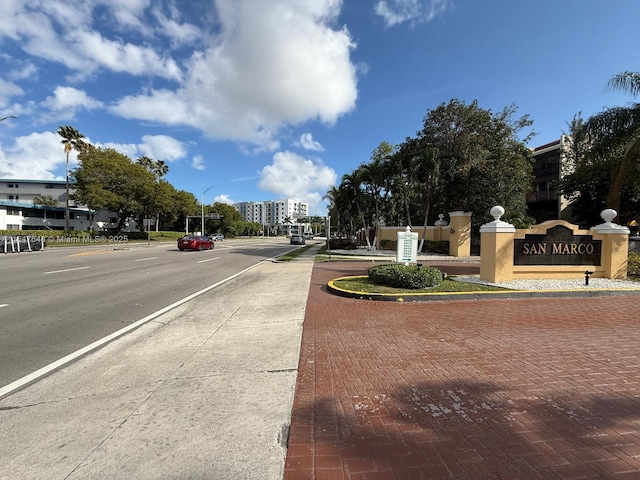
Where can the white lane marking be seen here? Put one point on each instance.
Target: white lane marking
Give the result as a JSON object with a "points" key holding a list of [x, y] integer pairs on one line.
{"points": [[145, 259], [208, 259], [67, 270], [64, 361], [4, 305]]}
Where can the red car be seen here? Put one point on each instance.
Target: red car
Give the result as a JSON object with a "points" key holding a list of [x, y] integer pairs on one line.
{"points": [[195, 242]]}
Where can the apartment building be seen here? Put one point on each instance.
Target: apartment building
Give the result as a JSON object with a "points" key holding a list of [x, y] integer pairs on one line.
{"points": [[18, 212], [279, 216], [545, 201]]}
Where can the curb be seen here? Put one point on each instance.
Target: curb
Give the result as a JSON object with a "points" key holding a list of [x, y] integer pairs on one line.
{"points": [[501, 295]]}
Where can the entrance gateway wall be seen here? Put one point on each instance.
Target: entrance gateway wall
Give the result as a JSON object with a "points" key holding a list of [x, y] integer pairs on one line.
{"points": [[554, 249]]}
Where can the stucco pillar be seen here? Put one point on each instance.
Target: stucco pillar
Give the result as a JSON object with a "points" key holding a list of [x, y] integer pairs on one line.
{"points": [[496, 249], [615, 245], [460, 234]]}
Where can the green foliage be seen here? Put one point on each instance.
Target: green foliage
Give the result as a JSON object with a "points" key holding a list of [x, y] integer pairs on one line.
{"points": [[230, 223], [464, 158], [405, 276], [605, 152], [108, 180], [431, 246], [341, 244], [633, 266], [45, 200]]}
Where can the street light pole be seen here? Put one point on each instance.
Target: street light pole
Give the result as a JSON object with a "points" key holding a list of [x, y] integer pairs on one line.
{"points": [[202, 206]]}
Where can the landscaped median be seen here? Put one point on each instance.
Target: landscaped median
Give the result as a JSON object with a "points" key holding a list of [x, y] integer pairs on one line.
{"points": [[361, 287]]}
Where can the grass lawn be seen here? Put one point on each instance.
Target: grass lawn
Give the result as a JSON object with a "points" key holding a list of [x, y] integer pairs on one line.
{"points": [[364, 285]]}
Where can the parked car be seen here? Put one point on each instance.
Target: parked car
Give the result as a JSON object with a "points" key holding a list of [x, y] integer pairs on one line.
{"points": [[307, 235], [195, 242], [217, 237], [296, 239]]}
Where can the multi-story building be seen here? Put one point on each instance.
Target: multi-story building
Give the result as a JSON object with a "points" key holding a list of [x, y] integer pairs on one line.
{"points": [[546, 200], [18, 211], [279, 216]]}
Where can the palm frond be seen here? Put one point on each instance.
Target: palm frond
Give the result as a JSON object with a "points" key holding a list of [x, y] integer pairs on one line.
{"points": [[627, 82]]}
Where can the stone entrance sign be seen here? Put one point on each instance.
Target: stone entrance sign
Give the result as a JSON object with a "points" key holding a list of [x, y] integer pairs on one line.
{"points": [[558, 246], [552, 250]]}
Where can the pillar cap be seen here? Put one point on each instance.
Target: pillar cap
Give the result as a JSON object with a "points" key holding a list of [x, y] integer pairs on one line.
{"points": [[608, 227], [497, 226]]}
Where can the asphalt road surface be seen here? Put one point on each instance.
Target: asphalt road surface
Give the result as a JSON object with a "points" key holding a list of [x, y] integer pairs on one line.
{"points": [[59, 300]]}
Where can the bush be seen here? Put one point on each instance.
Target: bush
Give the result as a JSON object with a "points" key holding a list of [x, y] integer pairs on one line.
{"points": [[341, 244], [405, 276], [432, 246], [633, 266]]}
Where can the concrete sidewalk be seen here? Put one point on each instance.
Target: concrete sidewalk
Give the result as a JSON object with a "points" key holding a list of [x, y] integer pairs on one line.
{"points": [[204, 391]]}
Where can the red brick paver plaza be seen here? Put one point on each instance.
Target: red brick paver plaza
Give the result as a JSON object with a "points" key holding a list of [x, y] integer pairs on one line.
{"points": [[488, 389]]}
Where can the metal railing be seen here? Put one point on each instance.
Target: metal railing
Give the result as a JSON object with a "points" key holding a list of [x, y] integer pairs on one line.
{"points": [[21, 243]]}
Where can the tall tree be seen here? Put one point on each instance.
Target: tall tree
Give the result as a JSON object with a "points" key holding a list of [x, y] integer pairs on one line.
{"points": [[72, 139], [109, 180], [157, 167], [614, 137], [160, 203], [481, 159]]}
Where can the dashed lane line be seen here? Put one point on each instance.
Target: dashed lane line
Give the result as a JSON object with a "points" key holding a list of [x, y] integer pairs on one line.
{"points": [[66, 270]]}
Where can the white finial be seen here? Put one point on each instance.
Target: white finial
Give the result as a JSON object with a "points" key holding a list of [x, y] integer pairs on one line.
{"points": [[497, 212], [608, 215], [608, 226], [497, 226]]}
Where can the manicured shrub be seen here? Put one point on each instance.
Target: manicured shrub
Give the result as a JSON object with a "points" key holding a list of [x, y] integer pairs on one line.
{"points": [[431, 246], [405, 276]]}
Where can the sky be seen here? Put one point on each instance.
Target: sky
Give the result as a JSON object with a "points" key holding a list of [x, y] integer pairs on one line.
{"points": [[254, 100]]}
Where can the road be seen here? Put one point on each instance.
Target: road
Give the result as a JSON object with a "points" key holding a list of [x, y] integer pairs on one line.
{"points": [[57, 301]]}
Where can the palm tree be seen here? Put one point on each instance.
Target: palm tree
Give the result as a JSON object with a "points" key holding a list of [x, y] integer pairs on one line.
{"points": [[72, 139], [615, 135], [157, 167]]}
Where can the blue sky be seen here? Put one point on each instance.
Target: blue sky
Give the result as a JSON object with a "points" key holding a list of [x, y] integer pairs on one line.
{"points": [[270, 99]]}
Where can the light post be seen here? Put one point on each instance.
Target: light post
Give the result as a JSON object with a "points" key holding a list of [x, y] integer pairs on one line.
{"points": [[202, 206]]}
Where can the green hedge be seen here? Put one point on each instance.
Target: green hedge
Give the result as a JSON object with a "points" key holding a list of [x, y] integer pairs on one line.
{"points": [[405, 276]]}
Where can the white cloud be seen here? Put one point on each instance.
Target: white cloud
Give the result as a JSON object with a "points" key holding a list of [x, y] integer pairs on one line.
{"points": [[198, 162], [66, 101], [131, 150], [180, 33], [224, 199], [395, 12], [7, 91], [308, 143], [38, 155], [162, 147], [157, 147], [66, 32], [274, 63], [293, 176], [263, 66], [34, 156]]}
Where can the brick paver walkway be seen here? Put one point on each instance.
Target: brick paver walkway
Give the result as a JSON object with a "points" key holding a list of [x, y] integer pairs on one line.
{"points": [[489, 389]]}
